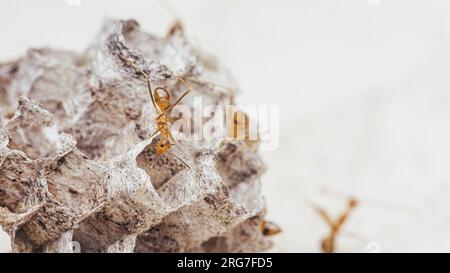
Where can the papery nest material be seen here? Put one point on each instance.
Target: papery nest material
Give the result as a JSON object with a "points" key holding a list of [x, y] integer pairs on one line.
{"points": [[77, 163]]}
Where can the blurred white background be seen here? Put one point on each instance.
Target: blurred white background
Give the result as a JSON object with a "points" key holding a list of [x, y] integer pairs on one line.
{"points": [[364, 93]]}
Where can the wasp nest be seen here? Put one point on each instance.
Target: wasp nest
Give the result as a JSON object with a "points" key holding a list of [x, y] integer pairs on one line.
{"points": [[78, 166]]}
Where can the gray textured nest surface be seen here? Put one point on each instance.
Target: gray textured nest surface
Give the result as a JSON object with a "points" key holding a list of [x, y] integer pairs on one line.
{"points": [[77, 163]]}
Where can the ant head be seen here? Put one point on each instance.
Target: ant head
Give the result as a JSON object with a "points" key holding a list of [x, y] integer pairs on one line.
{"points": [[162, 147], [162, 98]]}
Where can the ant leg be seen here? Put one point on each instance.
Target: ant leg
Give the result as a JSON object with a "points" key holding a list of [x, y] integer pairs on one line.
{"points": [[174, 119], [157, 131], [343, 218], [325, 217], [173, 139], [212, 84], [179, 158], [149, 87], [322, 213], [226, 88]]}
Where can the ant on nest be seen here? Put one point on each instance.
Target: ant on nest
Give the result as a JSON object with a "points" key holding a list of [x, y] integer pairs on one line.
{"points": [[160, 98]]}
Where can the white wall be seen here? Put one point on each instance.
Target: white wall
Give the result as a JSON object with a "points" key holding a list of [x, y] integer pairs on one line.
{"points": [[364, 93]]}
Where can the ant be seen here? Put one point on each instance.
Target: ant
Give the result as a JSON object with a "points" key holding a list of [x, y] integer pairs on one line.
{"points": [[160, 98], [177, 26], [328, 244], [268, 228]]}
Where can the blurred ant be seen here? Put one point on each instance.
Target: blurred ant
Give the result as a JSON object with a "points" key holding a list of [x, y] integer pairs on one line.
{"points": [[177, 26], [328, 244], [268, 228]]}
